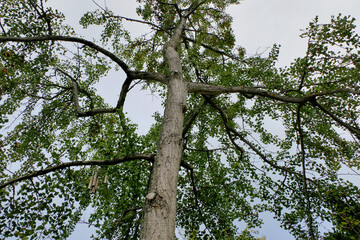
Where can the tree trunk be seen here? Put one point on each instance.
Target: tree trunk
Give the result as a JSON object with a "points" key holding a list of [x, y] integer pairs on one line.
{"points": [[160, 204]]}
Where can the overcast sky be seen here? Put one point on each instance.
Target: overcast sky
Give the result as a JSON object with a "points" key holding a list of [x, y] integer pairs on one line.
{"points": [[258, 24]]}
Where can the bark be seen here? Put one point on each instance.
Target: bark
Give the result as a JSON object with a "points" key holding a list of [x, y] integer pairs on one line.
{"points": [[160, 203]]}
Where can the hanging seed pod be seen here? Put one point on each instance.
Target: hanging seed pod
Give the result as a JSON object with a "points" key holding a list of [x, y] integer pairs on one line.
{"points": [[96, 185], [90, 183]]}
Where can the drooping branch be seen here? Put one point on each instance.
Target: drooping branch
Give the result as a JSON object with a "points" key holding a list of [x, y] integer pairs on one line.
{"points": [[353, 130], [35, 96], [207, 89], [148, 157], [231, 130], [302, 156], [205, 150], [90, 44], [133, 74], [196, 198]]}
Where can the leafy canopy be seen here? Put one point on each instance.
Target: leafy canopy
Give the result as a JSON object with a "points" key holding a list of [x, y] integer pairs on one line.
{"points": [[276, 144]]}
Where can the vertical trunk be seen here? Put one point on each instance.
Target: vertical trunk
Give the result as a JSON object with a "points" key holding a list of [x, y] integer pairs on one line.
{"points": [[160, 204]]}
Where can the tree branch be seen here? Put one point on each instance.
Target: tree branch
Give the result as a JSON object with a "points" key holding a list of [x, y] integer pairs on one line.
{"points": [[192, 118], [193, 8], [151, 76], [196, 193], [2, 28], [248, 143], [354, 130], [208, 89], [213, 49], [133, 74], [148, 157], [123, 93], [90, 44], [43, 14], [108, 14], [135, 20], [76, 100], [306, 193]]}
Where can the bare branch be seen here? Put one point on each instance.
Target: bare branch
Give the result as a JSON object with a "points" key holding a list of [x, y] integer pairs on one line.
{"points": [[124, 90], [196, 194], [109, 15], [96, 111], [43, 97]]}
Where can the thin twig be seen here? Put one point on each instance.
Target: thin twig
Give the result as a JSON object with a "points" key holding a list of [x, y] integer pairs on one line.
{"points": [[2, 28]]}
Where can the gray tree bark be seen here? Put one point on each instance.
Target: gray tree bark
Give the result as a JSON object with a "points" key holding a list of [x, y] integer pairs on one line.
{"points": [[160, 204]]}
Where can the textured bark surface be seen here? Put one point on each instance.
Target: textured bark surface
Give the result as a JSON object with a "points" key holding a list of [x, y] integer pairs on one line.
{"points": [[160, 204]]}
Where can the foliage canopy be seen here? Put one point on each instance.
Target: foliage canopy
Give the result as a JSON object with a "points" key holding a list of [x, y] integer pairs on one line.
{"points": [[255, 137]]}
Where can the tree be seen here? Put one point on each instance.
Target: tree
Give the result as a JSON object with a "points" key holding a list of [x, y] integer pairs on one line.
{"points": [[213, 93]]}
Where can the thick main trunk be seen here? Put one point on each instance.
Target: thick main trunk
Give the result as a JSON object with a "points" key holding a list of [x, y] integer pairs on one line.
{"points": [[160, 204]]}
